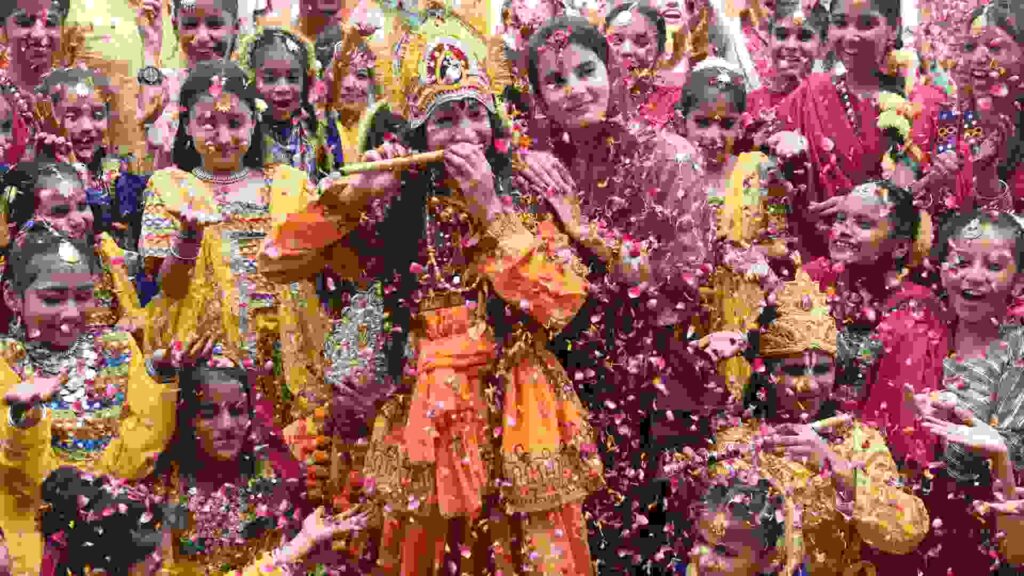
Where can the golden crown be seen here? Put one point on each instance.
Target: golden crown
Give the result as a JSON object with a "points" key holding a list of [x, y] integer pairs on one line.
{"points": [[442, 59], [803, 320]]}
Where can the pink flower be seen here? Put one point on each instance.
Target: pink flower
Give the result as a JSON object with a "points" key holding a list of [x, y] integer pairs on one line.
{"points": [[416, 268], [216, 87], [502, 145]]}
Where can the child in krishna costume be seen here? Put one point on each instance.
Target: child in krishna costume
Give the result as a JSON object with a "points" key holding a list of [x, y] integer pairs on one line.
{"points": [[487, 433]]}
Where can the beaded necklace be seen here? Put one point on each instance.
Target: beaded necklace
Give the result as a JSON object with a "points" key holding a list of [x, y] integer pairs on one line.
{"points": [[293, 148], [846, 98]]}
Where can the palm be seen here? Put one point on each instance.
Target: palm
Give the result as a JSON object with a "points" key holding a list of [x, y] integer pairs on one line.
{"points": [[37, 389]]}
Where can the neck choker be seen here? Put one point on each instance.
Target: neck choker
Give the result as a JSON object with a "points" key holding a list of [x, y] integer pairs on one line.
{"points": [[232, 178]]}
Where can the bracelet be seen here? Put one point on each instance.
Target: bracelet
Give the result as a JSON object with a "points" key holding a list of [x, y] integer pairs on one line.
{"points": [[17, 414], [153, 372], [174, 252]]}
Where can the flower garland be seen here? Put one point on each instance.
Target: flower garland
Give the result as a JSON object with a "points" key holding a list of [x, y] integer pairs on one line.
{"points": [[231, 523]]}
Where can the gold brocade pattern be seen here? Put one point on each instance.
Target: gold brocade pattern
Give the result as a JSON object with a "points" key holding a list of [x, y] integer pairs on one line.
{"points": [[257, 320], [883, 515]]}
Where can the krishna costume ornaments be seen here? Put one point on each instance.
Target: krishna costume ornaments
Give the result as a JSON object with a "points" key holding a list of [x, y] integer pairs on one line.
{"points": [[489, 412], [861, 501]]}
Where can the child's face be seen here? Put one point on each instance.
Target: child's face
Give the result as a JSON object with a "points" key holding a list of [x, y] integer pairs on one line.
{"points": [[279, 82], [803, 382], [84, 116], [222, 421], [574, 86], [714, 126], [633, 40], [862, 232], [728, 546], [33, 34], [980, 273], [794, 45]]}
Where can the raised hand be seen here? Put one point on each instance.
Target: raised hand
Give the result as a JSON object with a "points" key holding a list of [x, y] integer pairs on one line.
{"points": [[149, 18], [387, 182], [37, 389], [962, 427], [184, 355], [799, 442], [723, 345]]}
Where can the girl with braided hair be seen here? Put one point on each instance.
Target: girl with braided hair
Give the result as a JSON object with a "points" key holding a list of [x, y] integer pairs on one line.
{"points": [[284, 70]]}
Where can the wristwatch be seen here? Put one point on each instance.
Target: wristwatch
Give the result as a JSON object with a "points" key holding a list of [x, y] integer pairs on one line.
{"points": [[151, 76]]}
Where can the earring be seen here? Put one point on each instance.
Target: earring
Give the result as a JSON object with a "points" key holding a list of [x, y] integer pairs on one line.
{"points": [[16, 330]]}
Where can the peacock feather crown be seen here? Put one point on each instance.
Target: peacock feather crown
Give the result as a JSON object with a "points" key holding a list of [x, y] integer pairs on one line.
{"points": [[442, 59]]}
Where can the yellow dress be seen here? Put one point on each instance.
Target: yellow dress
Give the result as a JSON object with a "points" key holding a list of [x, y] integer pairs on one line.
{"points": [[254, 319], [110, 417], [882, 514], [750, 215]]}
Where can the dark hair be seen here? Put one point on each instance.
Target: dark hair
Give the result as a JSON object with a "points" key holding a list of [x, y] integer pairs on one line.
{"points": [[652, 15], [324, 45], [7, 7], [229, 6], [295, 46], [25, 177], [1000, 220], [198, 84], [755, 504], [580, 32], [97, 523], [702, 87], [1008, 16], [404, 225], [817, 19], [182, 449], [905, 218], [71, 77], [890, 9], [37, 241]]}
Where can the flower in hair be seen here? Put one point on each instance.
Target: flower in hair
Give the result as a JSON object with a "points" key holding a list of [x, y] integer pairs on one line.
{"points": [[559, 40], [216, 86]]}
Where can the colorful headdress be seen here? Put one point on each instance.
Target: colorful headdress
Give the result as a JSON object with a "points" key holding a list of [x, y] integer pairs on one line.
{"points": [[804, 321], [294, 42], [443, 59]]}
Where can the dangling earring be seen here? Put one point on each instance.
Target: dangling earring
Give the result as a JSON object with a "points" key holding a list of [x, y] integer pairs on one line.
{"points": [[16, 330]]}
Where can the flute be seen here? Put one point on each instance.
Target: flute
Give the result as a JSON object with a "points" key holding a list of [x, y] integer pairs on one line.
{"points": [[830, 423], [399, 163]]}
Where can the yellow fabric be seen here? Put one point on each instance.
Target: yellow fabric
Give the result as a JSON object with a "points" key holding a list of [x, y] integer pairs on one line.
{"points": [[734, 301], [214, 301], [115, 278], [27, 458], [884, 516], [111, 44]]}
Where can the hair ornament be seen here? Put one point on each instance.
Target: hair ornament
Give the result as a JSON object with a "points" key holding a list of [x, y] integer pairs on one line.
{"points": [[292, 41], [68, 253], [442, 60], [973, 229]]}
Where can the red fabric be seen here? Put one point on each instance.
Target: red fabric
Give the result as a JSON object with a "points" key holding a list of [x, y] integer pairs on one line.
{"points": [[816, 111], [763, 99], [660, 107], [915, 342]]}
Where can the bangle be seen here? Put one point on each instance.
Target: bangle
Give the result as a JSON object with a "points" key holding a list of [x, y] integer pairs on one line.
{"points": [[17, 414], [163, 375], [174, 252]]}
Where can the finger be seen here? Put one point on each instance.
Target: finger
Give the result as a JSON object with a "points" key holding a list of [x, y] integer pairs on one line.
{"points": [[1014, 507], [461, 166]]}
